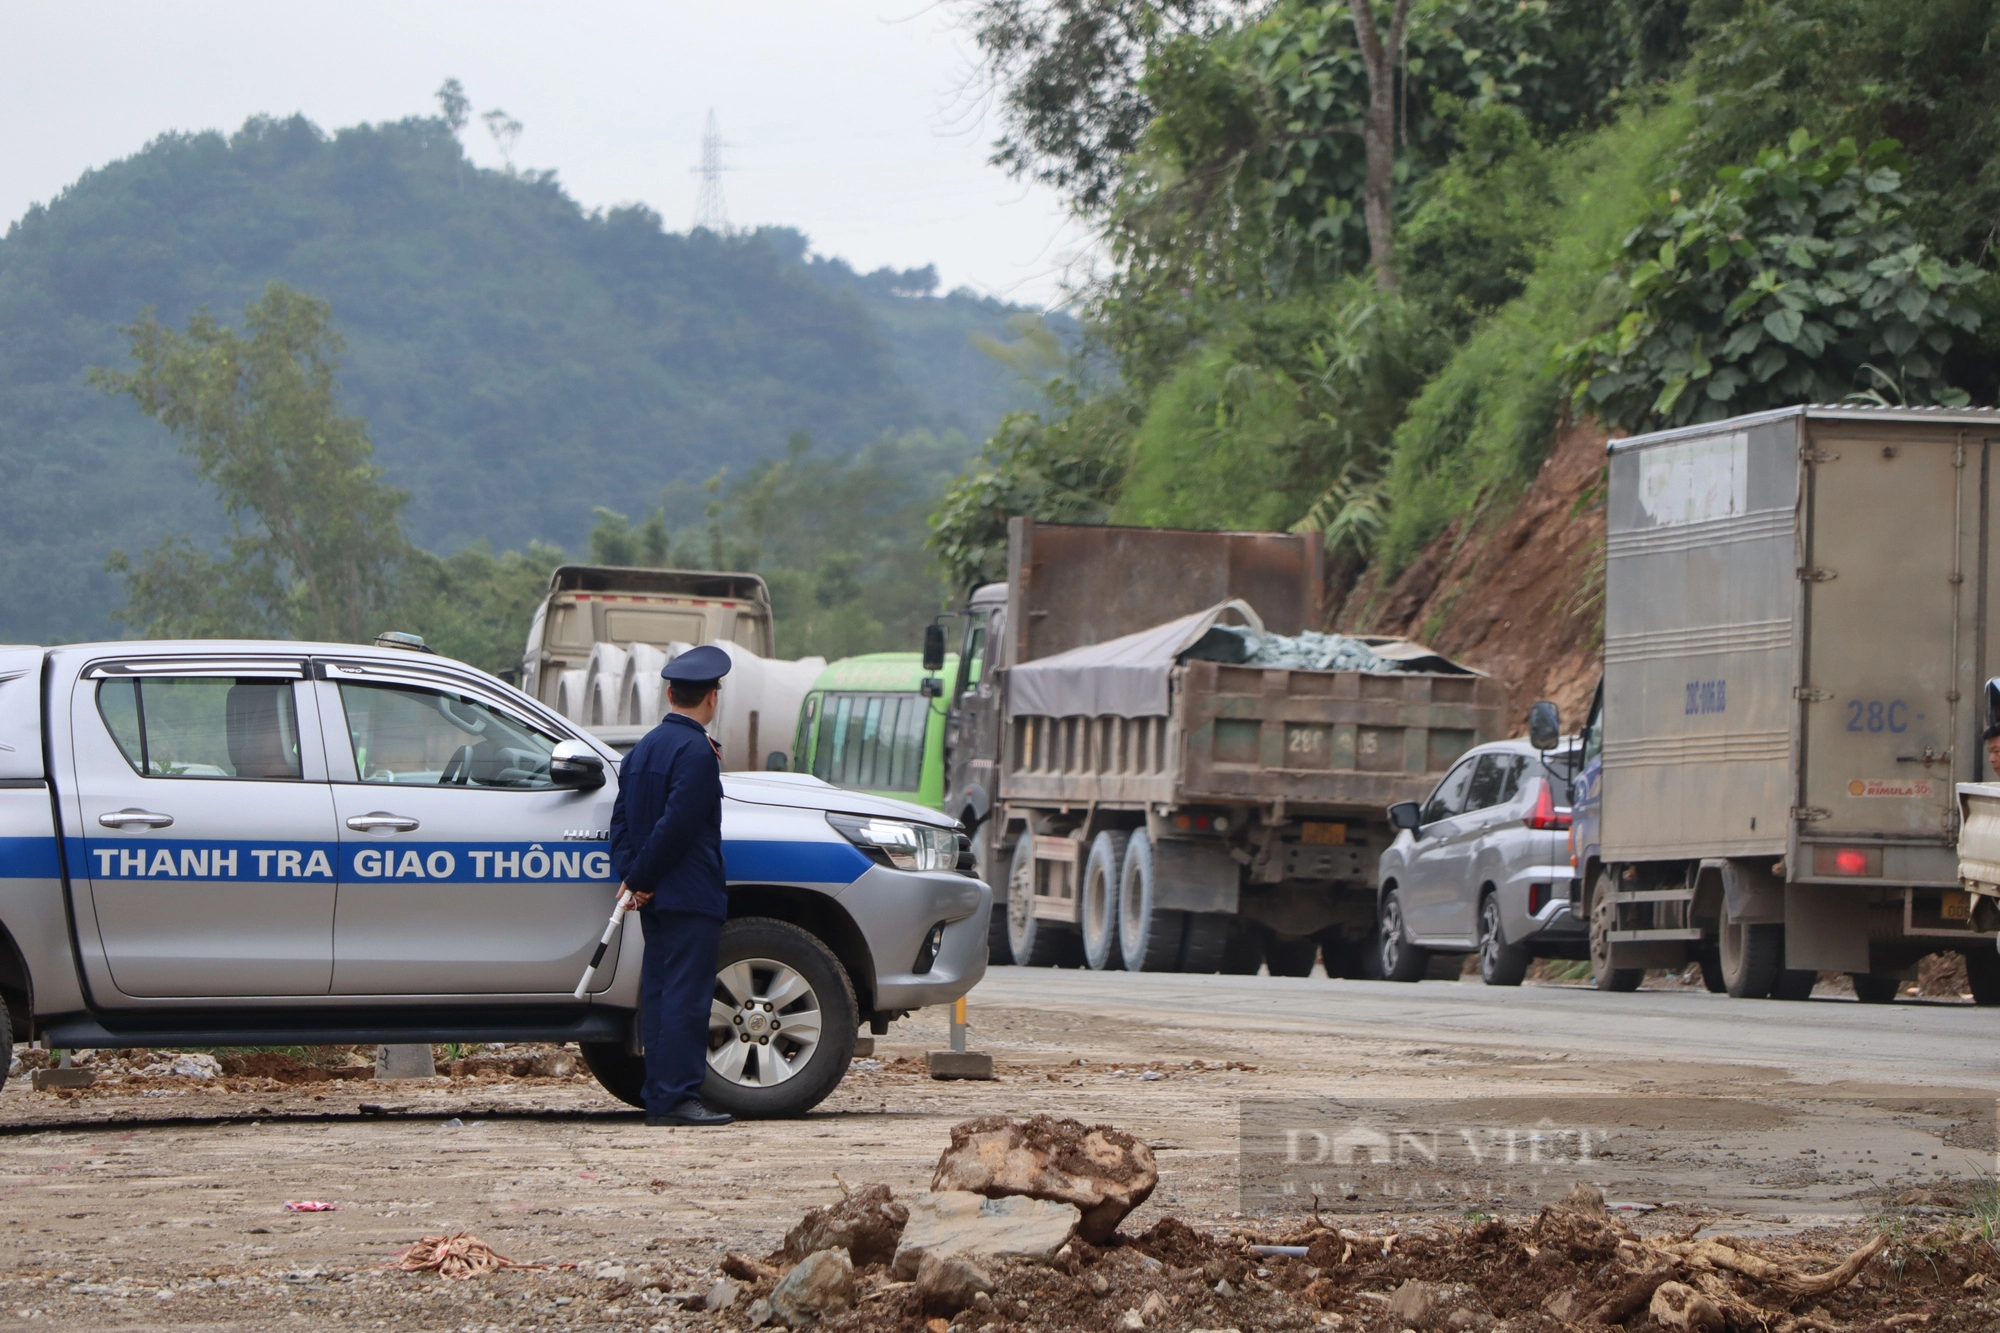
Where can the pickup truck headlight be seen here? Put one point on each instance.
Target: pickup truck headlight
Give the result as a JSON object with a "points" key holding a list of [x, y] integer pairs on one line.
{"points": [[897, 843]]}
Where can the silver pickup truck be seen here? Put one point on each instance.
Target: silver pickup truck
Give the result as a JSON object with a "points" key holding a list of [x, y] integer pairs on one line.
{"points": [[267, 843]]}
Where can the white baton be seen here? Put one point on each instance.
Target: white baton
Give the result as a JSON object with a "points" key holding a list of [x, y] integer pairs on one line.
{"points": [[618, 911]]}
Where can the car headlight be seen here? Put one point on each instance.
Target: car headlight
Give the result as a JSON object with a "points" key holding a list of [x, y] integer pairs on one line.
{"points": [[897, 843]]}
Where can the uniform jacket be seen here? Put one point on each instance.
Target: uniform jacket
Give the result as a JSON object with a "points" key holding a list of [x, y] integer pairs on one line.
{"points": [[666, 825]]}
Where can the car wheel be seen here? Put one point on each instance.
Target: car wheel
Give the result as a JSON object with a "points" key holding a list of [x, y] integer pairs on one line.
{"points": [[1982, 969], [1098, 904], [1752, 957], [1034, 941], [1291, 958], [1149, 938], [781, 1027], [1872, 989], [617, 1070], [1603, 920], [1500, 963], [1401, 960], [6, 1043], [998, 952]]}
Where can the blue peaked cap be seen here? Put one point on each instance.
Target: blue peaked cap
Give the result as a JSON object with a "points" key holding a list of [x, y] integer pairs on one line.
{"points": [[704, 663]]}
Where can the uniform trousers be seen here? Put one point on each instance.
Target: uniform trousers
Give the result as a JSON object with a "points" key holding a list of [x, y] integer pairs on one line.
{"points": [[676, 988]]}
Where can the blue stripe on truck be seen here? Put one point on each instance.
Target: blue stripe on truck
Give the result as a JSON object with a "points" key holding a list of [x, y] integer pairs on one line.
{"points": [[29, 858]]}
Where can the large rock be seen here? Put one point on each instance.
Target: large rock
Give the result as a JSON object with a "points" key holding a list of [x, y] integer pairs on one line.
{"points": [[947, 1283], [1104, 1172], [867, 1224], [819, 1288], [1437, 1305], [958, 1223]]}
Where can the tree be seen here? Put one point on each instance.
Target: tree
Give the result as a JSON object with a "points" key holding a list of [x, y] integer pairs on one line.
{"points": [[614, 541], [453, 105], [316, 535], [1378, 133]]}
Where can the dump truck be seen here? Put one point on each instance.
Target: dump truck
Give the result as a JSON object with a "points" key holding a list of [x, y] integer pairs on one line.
{"points": [[1796, 628], [1140, 797], [663, 608]]}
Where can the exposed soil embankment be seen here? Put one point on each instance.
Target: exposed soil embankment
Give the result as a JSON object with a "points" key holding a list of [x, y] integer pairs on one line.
{"points": [[1516, 591]]}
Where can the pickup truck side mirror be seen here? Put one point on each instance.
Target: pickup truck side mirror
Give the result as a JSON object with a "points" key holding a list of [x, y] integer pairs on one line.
{"points": [[1406, 815], [934, 647], [574, 765], [1544, 726]]}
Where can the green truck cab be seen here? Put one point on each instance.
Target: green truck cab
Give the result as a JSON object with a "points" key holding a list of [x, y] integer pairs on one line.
{"points": [[866, 724]]}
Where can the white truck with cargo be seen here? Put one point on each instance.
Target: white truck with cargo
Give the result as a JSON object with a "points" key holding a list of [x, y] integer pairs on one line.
{"points": [[212, 843], [1798, 617]]}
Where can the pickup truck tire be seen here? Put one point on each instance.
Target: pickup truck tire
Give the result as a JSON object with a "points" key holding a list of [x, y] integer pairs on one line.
{"points": [[1872, 989], [772, 949], [1500, 963], [1149, 937], [1603, 919], [1401, 960], [6, 1044], [1097, 905], [1982, 969], [1035, 941], [1752, 958], [1291, 958]]}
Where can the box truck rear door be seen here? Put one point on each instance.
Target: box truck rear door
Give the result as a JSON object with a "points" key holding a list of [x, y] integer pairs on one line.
{"points": [[1886, 538]]}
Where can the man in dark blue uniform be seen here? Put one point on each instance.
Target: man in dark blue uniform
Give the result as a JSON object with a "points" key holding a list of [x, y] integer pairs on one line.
{"points": [[666, 845]]}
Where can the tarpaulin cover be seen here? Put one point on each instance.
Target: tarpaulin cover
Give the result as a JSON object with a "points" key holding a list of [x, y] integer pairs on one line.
{"points": [[1129, 676], [1123, 677]]}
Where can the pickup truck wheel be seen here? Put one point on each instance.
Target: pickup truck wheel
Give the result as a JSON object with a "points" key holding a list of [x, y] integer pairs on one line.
{"points": [[1872, 989], [1149, 937], [1603, 920], [781, 1027], [1982, 969], [6, 1043], [1035, 942], [1291, 958], [1752, 958], [1401, 960], [1098, 904], [1500, 963], [617, 1070]]}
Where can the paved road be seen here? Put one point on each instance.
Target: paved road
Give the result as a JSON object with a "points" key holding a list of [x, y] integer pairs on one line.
{"points": [[1817, 1041]]}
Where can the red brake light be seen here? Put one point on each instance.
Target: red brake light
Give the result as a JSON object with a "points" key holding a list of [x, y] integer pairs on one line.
{"points": [[1546, 816]]}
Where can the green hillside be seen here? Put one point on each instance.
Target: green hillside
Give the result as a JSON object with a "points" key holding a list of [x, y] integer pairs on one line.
{"points": [[518, 359]]}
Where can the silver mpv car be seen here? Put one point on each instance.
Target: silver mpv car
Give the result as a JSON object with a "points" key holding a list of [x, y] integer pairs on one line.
{"points": [[1483, 864]]}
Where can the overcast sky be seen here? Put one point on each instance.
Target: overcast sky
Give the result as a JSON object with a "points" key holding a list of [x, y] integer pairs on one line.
{"points": [[848, 119]]}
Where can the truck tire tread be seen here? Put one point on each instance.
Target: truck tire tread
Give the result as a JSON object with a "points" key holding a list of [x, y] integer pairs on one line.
{"points": [[1149, 936], [1097, 904]]}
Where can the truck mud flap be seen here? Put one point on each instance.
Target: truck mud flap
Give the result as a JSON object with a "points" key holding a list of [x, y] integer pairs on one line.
{"points": [[1190, 876]]}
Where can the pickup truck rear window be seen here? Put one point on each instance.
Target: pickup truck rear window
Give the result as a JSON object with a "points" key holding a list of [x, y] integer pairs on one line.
{"points": [[203, 727]]}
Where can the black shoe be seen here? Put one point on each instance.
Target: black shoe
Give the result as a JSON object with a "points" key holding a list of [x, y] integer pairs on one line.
{"points": [[690, 1112]]}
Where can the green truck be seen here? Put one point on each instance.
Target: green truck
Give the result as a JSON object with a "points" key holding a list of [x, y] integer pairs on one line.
{"points": [[867, 724]]}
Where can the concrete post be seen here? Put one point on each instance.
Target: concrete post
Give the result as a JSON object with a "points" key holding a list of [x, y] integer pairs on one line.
{"points": [[404, 1061]]}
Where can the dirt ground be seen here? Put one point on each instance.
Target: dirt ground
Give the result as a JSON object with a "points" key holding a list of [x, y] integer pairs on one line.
{"points": [[159, 1199]]}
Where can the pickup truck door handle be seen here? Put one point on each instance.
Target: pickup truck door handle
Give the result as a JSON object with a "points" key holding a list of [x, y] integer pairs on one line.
{"points": [[134, 819], [376, 820]]}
